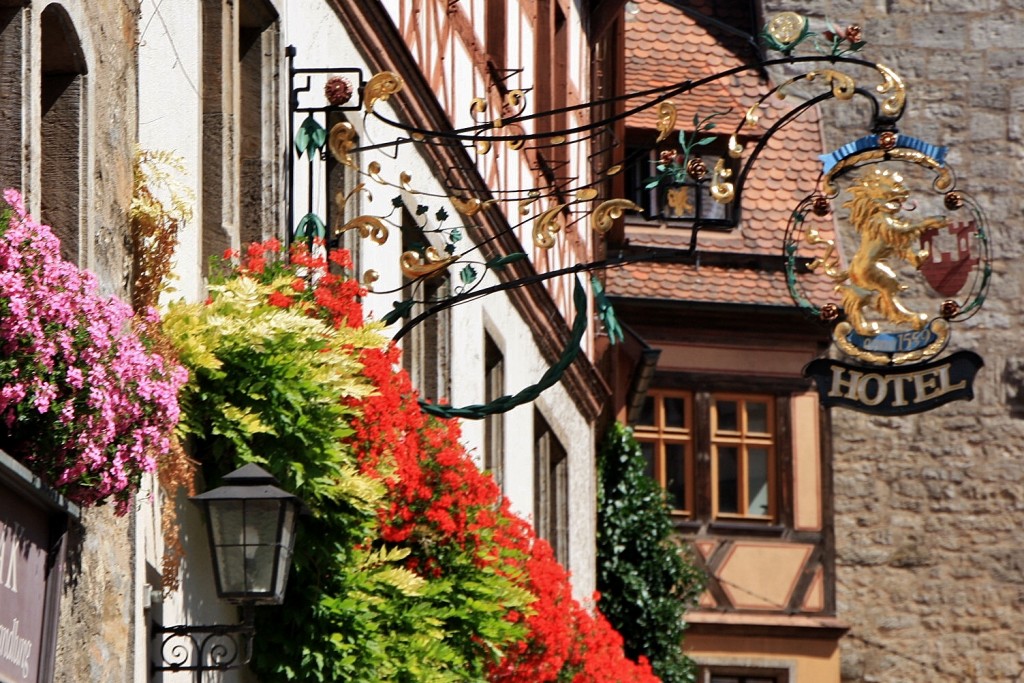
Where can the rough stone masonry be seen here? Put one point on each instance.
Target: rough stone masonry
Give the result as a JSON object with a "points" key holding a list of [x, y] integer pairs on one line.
{"points": [[929, 508]]}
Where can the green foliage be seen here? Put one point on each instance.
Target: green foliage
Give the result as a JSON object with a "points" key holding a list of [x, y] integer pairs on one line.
{"points": [[357, 614], [265, 387], [270, 384], [645, 580]]}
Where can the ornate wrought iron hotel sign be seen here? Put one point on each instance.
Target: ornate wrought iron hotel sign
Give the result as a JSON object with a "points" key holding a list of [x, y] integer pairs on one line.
{"points": [[905, 282], [896, 391], [916, 257]]}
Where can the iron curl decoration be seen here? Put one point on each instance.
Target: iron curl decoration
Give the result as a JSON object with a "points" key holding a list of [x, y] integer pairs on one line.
{"points": [[205, 648]]}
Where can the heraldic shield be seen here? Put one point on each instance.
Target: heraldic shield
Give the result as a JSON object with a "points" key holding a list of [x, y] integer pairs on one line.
{"points": [[891, 254]]}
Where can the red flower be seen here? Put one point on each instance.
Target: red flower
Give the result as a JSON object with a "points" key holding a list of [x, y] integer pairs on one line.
{"points": [[442, 508], [280, 300]]}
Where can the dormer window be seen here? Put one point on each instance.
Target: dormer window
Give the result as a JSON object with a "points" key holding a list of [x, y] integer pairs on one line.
{"points": [[681, 200]]}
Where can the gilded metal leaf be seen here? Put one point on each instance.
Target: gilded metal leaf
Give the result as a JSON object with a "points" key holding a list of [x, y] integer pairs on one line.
{"points": [[605, 215], [341, 141], [467, 207], [373, 170], [722, 191], [430, 263], [547, 226], [524, 205], [667, 113], [370, 277], [586, 194], [380, 87], [368, 226], [843, 86], [892, 105], [735, 148], [753, 115]]}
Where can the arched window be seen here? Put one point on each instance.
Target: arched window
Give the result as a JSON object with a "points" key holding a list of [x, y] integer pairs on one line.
{"points": [[62, 114], [239, 51], [12, 20]]}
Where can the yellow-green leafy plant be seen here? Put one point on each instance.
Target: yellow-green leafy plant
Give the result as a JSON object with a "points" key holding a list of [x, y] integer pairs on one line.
{"points": [[161, 206]]}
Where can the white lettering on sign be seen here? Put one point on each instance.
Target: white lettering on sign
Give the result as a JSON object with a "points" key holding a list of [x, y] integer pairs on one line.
{"points": [[11, 538], [14, 648], [873, 389]]}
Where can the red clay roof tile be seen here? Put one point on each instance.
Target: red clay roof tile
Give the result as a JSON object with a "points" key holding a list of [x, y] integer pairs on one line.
{"points": [[665, 46]]}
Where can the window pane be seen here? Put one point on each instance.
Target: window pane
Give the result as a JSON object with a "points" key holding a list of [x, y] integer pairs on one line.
{"points": [[647, 412], [675, 475], [757, 418], [757, 484], [675, 412], [728, 500], [647, 449], [678, 202], [724, 679], [727, 421]]}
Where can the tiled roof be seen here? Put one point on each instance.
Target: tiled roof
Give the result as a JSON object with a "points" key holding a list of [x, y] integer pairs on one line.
{"points": [[706, 284], [664, 46]]}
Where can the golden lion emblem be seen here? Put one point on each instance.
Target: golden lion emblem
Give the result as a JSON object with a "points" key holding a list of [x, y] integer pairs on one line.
{"points": [[876, 200]]}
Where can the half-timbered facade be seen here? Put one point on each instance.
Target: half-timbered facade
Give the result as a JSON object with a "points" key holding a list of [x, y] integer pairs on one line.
{"points": [[709, 375]]}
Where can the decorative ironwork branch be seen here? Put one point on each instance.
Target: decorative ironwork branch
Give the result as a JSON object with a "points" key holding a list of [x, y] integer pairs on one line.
{"points": [[555, 203]]}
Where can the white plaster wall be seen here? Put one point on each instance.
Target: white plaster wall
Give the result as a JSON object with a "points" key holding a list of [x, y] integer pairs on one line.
{"points": [[170, 86], [320, 42], [170, 110]]}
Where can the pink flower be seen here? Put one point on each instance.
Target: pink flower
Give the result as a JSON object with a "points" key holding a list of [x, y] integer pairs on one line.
{"points": [[102, 406]]}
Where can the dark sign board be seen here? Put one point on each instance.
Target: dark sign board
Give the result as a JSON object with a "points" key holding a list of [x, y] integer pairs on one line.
{"points": [[24, 537], [895, 390], [33, 523]]}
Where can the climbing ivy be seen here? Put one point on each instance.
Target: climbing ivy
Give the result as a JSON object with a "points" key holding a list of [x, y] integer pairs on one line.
{"points": [[645, 578]]}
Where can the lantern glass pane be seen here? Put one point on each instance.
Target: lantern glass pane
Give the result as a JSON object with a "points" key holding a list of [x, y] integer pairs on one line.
{"points": [[261, 529], [287, 542], [230, 569], [226, 520]]}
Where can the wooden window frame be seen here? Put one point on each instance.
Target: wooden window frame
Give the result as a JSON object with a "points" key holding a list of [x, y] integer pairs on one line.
{"points": [[551, 488], [742, 439], [701, 467], [745, 674], [494, 425], [661, 435]]}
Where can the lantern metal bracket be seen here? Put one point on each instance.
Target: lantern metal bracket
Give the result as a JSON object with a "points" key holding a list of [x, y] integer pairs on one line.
{"points": [[200, 649]]}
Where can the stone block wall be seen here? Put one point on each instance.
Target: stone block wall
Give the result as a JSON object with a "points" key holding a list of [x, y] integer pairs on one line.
{"points": [[96, 632], [929, 508]]}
